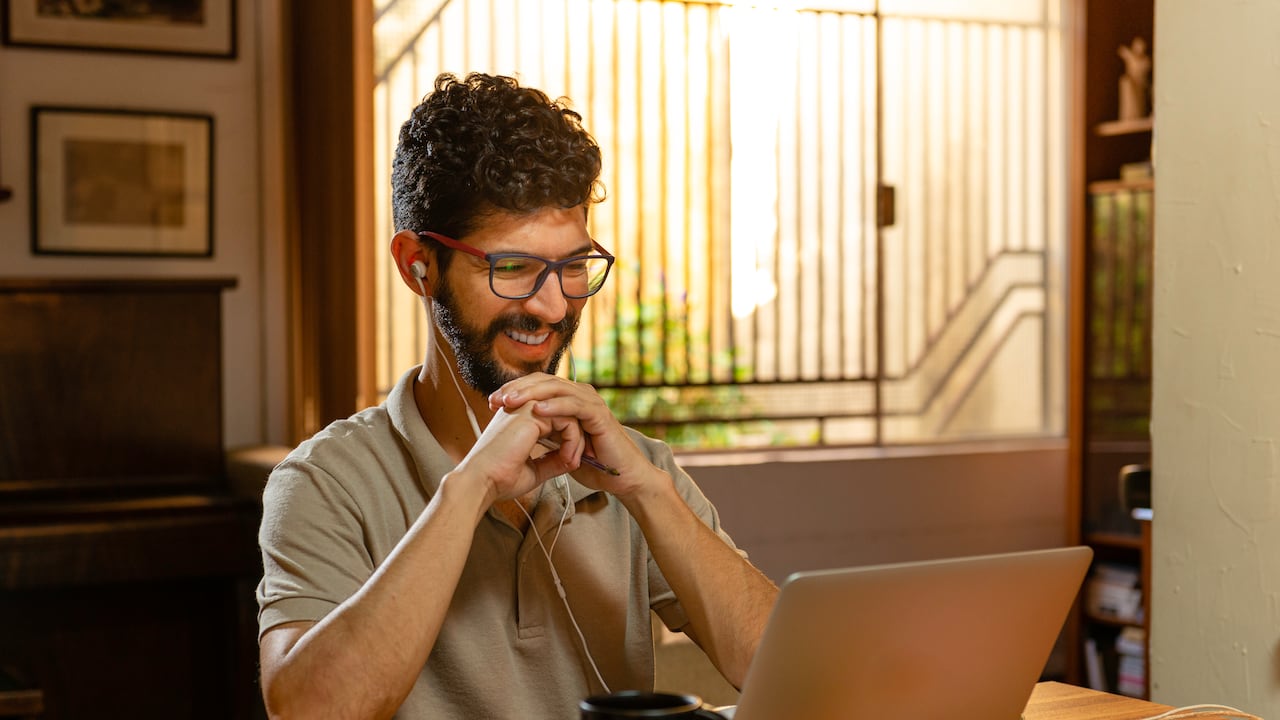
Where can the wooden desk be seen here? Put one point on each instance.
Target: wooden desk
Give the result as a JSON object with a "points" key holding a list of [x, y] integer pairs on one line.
{"points": [[1056, 701]]}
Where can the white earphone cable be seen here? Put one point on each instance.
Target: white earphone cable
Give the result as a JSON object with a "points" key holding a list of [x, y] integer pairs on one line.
{"points": [[1204, 710], [555, 576], [563, 484]]}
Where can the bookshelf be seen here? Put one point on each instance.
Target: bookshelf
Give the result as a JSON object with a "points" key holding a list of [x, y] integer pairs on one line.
{"points": [[1113, 128], [1111, 384]]}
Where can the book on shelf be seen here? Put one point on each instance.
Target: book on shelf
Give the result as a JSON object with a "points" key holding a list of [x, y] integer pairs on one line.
{"points": [[1117, 573], [1132, 641], [1136, 171], [1093, 666], [1114, 592], [1131, 666], [1131, 678]]}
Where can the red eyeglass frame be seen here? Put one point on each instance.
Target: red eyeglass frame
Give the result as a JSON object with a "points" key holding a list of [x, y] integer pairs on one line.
{"points": [[552, 265]]}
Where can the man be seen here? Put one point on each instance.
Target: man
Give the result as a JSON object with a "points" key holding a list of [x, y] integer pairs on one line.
{"points": [[418, 562]]}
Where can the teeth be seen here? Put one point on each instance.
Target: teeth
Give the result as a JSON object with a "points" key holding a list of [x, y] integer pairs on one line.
{"points": [[528, 339]]}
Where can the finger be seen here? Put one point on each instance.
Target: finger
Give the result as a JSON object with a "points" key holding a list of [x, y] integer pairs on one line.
{"points": [[520, 422], [590, 411], [536, 386], [559, 400], [566, 428], [509, 399], [551, 465], [522, 410], [571, 439], [514, 387]]}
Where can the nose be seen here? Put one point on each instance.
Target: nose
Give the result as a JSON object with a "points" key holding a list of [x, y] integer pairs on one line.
{"points": [[549, 303]]}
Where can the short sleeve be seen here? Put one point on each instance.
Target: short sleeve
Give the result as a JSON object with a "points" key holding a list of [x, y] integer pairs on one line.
{"points": [[313, 551]]}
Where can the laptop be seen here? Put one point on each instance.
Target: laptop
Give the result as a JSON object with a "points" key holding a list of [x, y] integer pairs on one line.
{"points": [[961, 639]]}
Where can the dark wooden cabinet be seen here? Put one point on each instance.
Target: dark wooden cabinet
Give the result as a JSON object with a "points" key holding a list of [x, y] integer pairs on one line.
{"points": [[126, 566]]}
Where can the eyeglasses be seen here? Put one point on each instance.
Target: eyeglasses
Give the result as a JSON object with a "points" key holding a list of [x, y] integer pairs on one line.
{"points": [[516, 276]]}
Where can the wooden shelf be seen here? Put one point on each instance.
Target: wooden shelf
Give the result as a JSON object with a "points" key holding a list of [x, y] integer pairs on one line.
{"points": [[1115, 540], [17, 698], [1124, 127], [1114, 621], [1110, 186]]}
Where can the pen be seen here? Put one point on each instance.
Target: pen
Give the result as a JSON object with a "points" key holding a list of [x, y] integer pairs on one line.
{"points": [[552, 445]]}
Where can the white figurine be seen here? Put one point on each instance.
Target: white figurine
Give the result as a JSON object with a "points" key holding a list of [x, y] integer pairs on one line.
{"points": [[1135, 84]]}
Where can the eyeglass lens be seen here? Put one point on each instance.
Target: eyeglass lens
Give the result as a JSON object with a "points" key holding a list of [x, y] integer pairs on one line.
{"points": [[519, 276]]}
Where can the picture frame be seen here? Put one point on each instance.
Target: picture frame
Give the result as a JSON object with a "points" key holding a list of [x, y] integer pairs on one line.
{"points": [[202, 28], [121, 182]]}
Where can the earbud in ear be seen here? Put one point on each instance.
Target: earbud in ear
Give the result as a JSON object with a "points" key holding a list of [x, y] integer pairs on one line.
{"points": [[418, 270]]}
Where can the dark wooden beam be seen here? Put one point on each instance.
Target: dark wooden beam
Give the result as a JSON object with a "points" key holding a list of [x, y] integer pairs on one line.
{"points": [[330, 244]]}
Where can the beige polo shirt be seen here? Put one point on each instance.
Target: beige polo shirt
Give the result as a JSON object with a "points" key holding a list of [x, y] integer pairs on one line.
{"points": [[339, 504]]}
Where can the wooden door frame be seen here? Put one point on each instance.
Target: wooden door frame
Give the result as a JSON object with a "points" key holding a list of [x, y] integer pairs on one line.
{"points": [[329, 241]]}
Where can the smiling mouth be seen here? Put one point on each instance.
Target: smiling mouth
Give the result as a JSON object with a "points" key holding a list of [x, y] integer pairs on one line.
{"points": [[528, 339]]}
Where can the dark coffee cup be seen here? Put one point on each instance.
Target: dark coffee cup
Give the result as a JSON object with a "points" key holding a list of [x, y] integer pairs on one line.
{"points": [[632, 704]]}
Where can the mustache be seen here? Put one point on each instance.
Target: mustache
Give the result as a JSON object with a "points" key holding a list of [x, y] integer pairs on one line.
{"points": [[523, 323]]}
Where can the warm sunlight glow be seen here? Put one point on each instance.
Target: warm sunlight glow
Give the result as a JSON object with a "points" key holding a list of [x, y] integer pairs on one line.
{"points": [[757, 36], [755, 300]]}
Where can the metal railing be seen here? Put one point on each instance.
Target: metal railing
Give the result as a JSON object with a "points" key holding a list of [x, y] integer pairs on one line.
{"points": [[744, 149]]}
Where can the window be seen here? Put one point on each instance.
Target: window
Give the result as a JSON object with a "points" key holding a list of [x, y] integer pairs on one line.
{"points": [[757, 300]]}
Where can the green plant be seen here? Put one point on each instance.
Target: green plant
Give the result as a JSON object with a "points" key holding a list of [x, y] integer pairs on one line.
{"points": [[652, 371]]}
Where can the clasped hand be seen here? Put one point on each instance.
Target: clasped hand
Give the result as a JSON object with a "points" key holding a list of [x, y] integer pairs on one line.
{"points": [[541, 406]]}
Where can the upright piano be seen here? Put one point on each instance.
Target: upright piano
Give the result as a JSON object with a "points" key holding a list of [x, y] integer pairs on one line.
{"points": [[127, 566]]}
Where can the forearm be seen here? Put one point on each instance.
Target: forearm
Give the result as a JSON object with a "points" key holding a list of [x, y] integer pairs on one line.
{"points": [[362, 659], [726, 598]]}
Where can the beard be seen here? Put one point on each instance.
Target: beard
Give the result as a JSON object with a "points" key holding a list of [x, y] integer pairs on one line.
{"points": [[478, 366]]}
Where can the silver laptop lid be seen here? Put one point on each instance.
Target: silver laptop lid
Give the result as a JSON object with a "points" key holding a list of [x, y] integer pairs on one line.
{"points": [[959, 638]]}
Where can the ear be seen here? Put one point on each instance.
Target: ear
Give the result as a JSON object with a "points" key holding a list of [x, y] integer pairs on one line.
{"points": [[407, 249]]}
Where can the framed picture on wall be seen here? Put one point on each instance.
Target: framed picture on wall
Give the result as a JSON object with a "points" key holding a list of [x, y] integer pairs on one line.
{"points": [[121, 182], [170, 27]]}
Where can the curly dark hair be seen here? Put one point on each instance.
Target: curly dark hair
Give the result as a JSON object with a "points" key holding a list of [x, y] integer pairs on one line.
{"points": [[485, 144]]}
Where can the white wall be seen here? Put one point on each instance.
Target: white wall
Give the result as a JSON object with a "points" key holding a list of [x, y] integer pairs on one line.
{"points": [[1216, 415], [241, 96]]}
